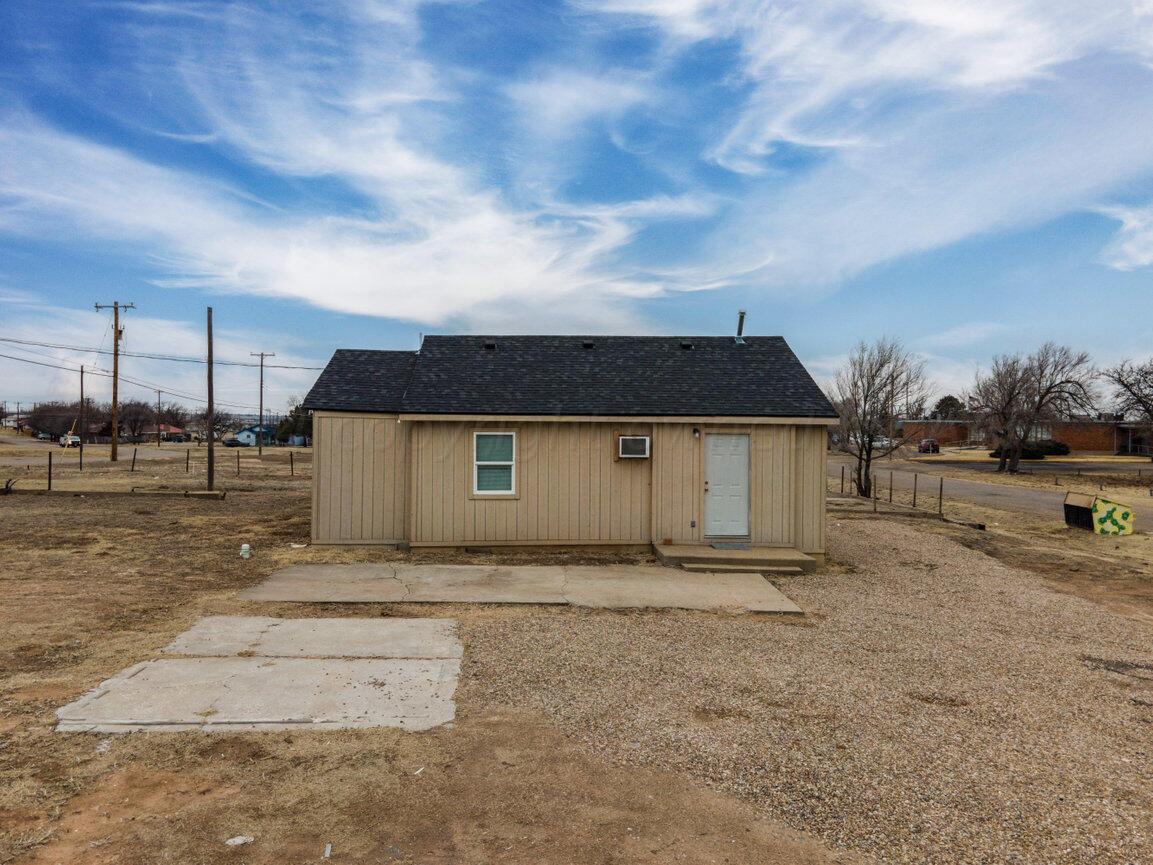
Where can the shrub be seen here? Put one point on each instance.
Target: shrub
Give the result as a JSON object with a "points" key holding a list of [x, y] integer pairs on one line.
{"points": [[1029, 451]]}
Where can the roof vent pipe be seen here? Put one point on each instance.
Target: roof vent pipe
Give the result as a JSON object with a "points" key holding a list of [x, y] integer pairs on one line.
{"points": [[740, 339]]}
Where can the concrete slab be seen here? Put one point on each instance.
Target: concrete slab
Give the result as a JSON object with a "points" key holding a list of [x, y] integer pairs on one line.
{"points": [[221, 636], [262, 673], [386, 583], [623, 586], [175, 694], [628, 586]]}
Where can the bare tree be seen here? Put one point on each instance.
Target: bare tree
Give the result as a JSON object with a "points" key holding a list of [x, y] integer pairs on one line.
{"points": [[1133, 390], [222, 422], [999, 398], [1018, 393], [868, 392], [135, 415], [174, 414]]}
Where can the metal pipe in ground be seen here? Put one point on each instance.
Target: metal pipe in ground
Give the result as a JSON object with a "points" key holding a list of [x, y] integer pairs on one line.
{"points": [[915, 476], [941, 497], [133, 460], [890, 487], [49, 469], [874, 493]]}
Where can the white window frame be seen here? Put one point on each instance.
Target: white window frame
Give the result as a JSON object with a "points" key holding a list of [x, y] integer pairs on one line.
{"points": [[648, 446], [477, 463]]}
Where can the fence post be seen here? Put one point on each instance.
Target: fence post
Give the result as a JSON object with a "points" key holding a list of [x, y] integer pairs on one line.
{"points": [[890, 486], [291, 463], [238, 463], [874, 492], [915, 476], [133, 460], [842, 480], [49, 470], [187, 461], [941, 498]]}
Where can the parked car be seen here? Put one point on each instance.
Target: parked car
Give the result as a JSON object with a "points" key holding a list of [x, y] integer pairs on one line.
{"points": [[43, 437], [929, 446], [234, 443], [69, 441]]}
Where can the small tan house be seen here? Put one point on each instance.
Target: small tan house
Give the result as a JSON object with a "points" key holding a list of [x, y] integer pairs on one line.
{"points": [[504, 440]]}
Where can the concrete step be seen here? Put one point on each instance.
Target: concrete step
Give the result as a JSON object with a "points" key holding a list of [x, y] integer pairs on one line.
{"points": [[722, 568], [755, 557]]}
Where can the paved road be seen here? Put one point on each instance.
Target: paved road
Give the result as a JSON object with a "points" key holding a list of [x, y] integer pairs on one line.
{"points": [[1048, 466], [1023, 499]]}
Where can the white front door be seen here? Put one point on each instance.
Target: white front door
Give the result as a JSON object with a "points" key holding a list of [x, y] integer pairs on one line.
{"points": [[726, 485]]}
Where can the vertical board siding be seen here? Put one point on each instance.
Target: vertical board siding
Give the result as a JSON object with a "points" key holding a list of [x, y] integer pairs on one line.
{"points": [[376, 480], [569, 486], [678, 484], [809, 492], [359, 478], [786, 477]]}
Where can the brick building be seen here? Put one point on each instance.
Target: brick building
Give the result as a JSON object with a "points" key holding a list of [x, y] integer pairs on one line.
{"points": [[1081, 434]]}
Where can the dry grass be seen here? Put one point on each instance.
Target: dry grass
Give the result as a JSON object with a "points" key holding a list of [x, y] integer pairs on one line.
{"points": [[886, 720], [94, 584]]}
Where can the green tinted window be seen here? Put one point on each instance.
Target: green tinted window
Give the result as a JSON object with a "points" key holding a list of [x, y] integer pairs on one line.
{"points": [[494, 479], [494, 447], [494, 456]]}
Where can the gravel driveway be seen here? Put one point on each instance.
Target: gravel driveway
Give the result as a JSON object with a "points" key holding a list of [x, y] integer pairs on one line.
{"points": [[935, 706]]}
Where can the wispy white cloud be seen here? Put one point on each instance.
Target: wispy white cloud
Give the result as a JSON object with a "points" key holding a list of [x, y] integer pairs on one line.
{"points": [[236, 388], [936, 121], [424, 237], [817, 69], [1132, 247], [964, 335]]}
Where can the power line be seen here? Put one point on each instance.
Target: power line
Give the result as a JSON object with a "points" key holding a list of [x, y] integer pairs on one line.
{"points": [[147, 386], [149, 356]]}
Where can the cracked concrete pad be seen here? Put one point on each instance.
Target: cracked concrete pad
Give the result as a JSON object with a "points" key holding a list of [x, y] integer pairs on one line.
{"points": [[357, 583], [213, 694], [621, 586], [318, 638]]}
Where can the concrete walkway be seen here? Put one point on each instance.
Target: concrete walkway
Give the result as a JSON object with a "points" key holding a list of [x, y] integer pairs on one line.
{"points": [[611, 587], [258, 673]]}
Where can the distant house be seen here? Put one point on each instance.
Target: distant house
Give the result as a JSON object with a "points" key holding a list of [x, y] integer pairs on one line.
{"points": [[251, 434], [167, 432], [528, 440], [1102, 434]]}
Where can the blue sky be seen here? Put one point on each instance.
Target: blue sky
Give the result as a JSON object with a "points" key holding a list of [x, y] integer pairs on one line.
{"points": [[972, 177]]}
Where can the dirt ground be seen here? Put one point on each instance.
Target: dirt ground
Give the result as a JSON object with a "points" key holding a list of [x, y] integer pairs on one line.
{"points": [[94, 583], [555, 757]]}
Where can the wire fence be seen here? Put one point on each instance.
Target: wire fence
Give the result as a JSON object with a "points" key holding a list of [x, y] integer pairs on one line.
{"points": [[925, 493], [70, 464]]}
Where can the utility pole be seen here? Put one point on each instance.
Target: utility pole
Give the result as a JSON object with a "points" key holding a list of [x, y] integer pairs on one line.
{"points": [[209, 420], [117, 335], [260, 414], [158, 417], [83, 417]]}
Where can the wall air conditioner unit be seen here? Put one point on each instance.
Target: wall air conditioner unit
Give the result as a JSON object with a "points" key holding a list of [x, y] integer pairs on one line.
{"points": [[634, 447]]}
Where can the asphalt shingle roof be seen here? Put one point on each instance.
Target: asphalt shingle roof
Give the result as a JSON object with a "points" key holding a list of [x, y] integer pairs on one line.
{"points": [[575, 375], [362, 380]]}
